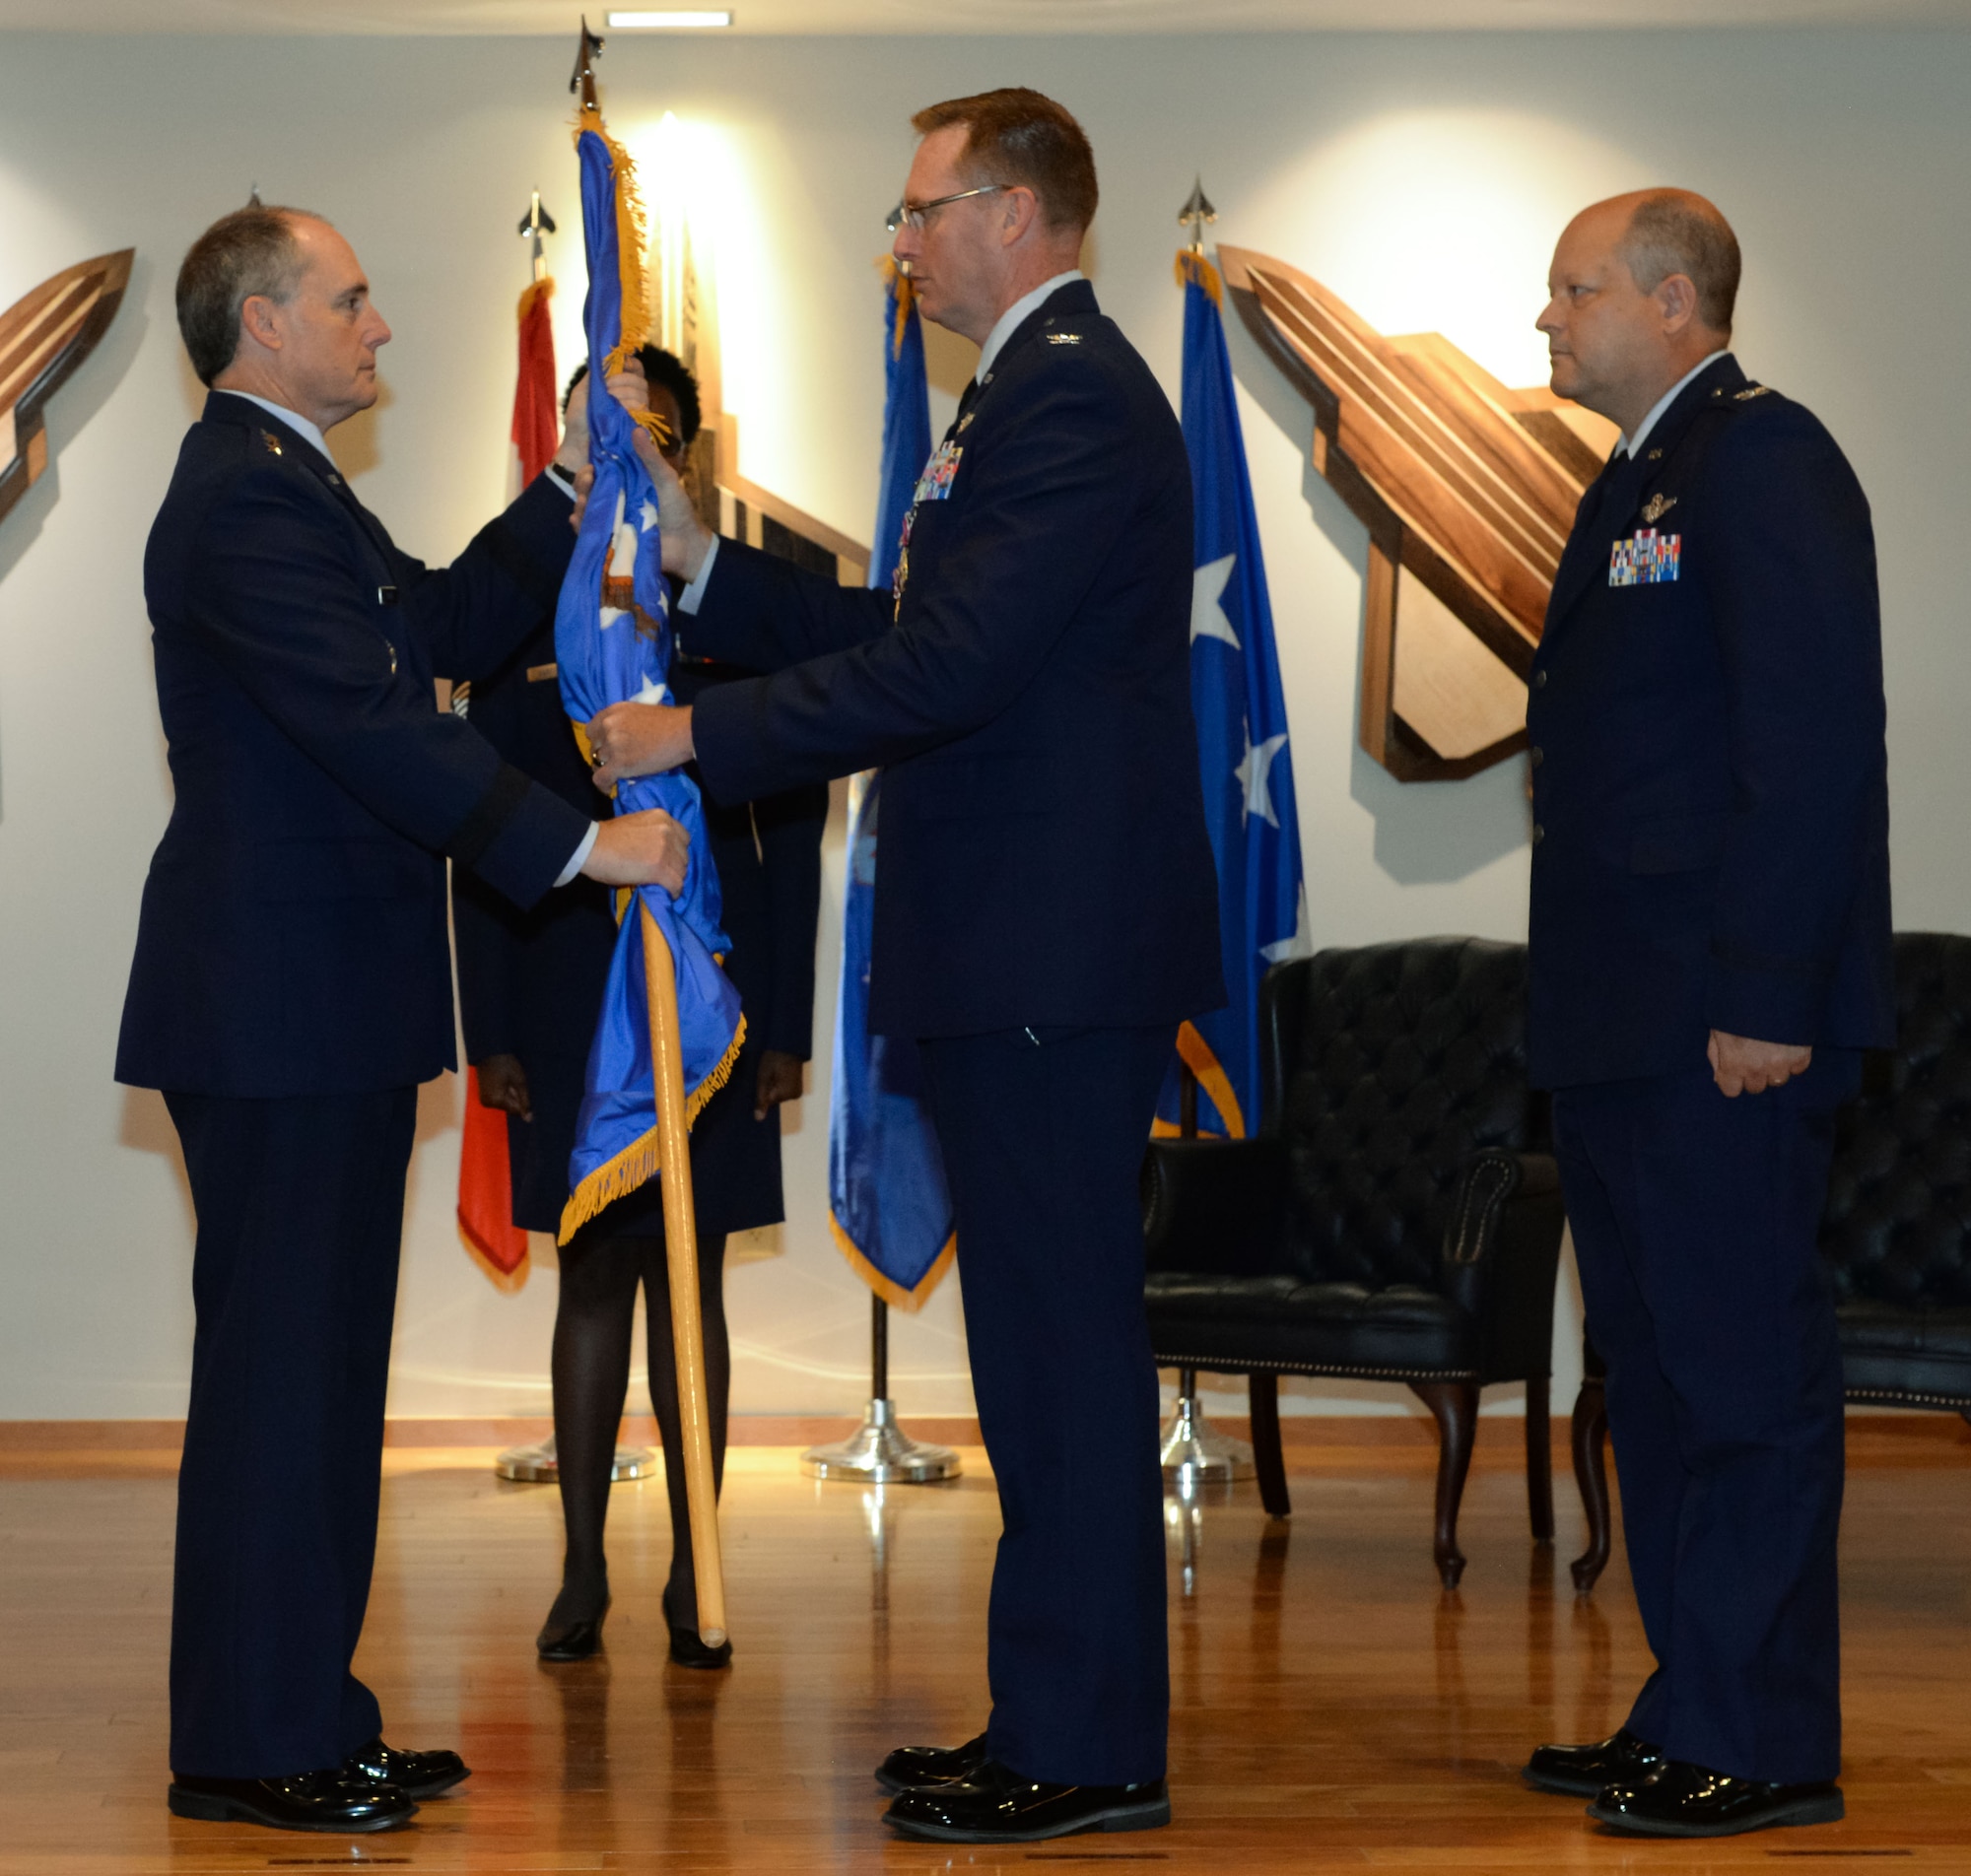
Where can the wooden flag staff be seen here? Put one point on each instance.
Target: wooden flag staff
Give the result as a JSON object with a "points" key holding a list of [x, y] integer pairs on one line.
{"points": [[681, 1258]]}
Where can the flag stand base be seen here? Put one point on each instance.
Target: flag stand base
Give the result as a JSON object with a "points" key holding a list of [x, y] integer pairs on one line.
{"points": [[880, 1452], [1193, 1450], [537, 1465]]}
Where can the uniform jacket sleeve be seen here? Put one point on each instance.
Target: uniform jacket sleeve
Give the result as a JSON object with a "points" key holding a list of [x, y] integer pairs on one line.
{"points": [[474, 612], [280, 612], [790, 828], [1791, 578], [765, 612], [1030, 528]]}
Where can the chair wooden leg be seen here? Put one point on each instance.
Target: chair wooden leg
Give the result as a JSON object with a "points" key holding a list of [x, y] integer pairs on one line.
{"points": [[1591, 1433], [1267, 1458], [1539, 1462], [1455, 1406]]}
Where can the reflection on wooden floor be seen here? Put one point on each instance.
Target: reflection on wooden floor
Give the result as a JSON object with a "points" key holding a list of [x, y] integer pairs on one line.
{"points": [[1333, 1709]]}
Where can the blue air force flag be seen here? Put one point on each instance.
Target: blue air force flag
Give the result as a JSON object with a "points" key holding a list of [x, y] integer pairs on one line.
{"points": [[886, 1196], [613, 645], [1242, 731]]}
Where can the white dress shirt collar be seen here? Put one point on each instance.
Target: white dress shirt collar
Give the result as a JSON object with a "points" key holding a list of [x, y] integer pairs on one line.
{"points": [[1009, 320], [1630, 445], [293, 419]]}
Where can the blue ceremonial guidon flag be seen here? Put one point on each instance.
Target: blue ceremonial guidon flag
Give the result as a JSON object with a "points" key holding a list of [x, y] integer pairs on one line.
{"points": [[886, 1196], [1242, 731], [613, 645]]}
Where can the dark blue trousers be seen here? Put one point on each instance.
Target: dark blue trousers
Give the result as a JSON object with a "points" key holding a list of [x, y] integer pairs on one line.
{"points": [[1694, 1222], [1042, 1135], [301, 1209]]}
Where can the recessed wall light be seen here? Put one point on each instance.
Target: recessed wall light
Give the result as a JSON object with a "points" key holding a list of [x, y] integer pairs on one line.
{"points": [[670, 20]]}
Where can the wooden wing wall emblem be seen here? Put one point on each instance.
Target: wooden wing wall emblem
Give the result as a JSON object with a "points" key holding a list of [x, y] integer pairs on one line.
{"points": [[1468, 490], [44, 337]]}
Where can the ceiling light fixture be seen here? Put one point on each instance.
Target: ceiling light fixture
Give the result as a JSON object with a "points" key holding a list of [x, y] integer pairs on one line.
{"points": [[670, 20]]}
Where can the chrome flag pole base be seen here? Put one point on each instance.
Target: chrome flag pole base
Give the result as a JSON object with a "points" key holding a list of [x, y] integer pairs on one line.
{"points": [[879, 1452], [537, 1465], [1194, 1452]]}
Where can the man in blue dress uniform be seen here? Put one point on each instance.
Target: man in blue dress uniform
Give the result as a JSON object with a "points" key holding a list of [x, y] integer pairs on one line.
{"points": [[1046, 914], [1710, 955], [292, 986]]}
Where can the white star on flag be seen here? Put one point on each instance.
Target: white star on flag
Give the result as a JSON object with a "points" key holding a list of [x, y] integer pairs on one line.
{"points": [[1254, 775], [1207, 609], [648, 517]]}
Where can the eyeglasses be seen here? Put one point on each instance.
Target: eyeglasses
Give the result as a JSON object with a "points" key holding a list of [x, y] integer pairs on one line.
{"points": [[919, 213]]}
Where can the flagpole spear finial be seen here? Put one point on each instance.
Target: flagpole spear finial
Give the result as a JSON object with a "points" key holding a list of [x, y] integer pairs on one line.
{"points": [[587, 53], [1194, 214], [536, 223]]}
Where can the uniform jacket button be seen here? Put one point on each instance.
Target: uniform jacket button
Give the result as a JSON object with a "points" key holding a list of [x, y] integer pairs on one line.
{"points": [[1537, 756], [1540, 680], [1539, 833]]}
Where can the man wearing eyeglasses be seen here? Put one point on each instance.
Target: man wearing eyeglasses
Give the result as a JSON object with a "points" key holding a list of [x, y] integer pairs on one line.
{"points": [[1046, 914]]}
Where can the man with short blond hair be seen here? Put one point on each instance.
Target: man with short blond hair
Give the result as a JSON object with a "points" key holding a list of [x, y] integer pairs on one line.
{"points": [[1046, 916], [1710, 955]]}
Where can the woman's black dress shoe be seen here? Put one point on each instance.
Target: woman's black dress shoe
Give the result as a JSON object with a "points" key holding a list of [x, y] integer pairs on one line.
{"points": [[417, 1774], [688, 1650], [573, 1640], [687, 1646], [1686, 1800], [933, 1767], [999, 1806], [328, 1801], [1585, 1772]]}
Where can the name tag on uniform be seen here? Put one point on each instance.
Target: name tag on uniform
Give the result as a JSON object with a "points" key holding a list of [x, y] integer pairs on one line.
{"points": [[1645, 559], [934, 485]]}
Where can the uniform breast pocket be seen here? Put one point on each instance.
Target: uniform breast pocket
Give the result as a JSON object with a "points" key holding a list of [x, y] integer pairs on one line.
{"points": [[1679, 842]]}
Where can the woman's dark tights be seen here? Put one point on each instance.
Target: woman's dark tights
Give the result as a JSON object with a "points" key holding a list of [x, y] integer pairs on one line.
{"points": [[591, 1379]]}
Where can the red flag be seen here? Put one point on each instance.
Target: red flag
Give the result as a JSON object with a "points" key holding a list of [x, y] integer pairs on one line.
{"points": [[485, 1175]]}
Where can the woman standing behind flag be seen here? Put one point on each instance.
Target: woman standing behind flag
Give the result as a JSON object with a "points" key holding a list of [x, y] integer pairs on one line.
{"points": [[529, 989]]}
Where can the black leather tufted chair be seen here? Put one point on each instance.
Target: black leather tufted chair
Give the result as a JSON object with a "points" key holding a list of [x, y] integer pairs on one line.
{"points": [[1896, 1233], [1397, 1218]]}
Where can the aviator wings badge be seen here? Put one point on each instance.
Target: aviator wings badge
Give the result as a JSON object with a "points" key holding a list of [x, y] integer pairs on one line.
{"points": [[1656, 506]]}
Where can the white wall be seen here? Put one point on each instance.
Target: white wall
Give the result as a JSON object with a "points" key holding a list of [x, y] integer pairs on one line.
{"points": [[1423, 176]]}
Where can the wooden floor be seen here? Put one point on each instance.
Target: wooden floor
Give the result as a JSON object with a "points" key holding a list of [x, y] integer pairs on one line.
{"points": [[1332, 1709]]}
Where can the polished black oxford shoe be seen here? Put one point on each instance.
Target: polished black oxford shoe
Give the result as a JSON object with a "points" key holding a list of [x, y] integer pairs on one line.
{"points": [[417, 1774], [1684, 1800], [330, 1801], [999, 1806], [1585, 1772], [931, 1768]]}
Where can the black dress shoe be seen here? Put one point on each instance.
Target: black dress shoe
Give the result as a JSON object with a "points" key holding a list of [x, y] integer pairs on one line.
{"points": [[328, 1801], [1684, 1800], [931, 1768], [574, 1641], [1585, 1772], [999, 1806], [688, 1649], [417, 1774], [687, 1646]]}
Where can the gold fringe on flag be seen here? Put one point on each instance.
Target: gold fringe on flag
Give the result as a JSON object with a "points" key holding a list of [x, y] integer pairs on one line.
{"points": [[641, 1161], [1195, 1053], [892, 1292], [895, 275], [630, 234], [535, 289], [1191, 265]]}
